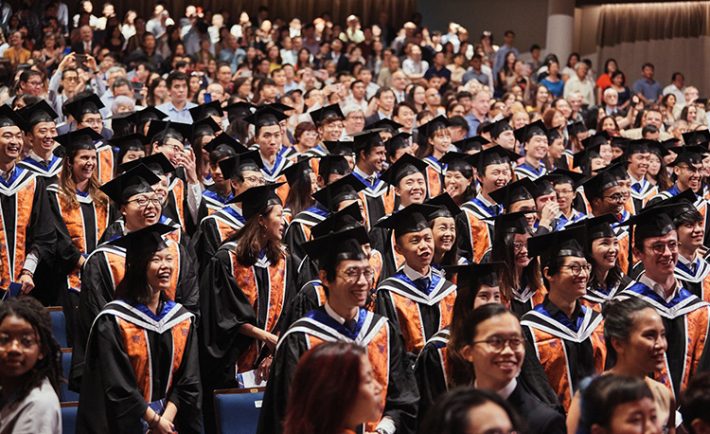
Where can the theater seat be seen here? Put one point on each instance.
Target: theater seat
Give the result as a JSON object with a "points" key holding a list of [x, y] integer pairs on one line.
{"points": [[69, 410], [237, 410], [66, 395], [59, 326]]}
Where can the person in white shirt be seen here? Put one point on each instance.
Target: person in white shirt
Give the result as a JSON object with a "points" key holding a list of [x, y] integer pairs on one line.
{"points": [[178, 108], [580, 83], [413, 66], [676, 88]]}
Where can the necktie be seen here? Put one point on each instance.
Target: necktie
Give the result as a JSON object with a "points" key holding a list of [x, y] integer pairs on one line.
{"points": [[637, 187], [423, 284], [351, 324]]}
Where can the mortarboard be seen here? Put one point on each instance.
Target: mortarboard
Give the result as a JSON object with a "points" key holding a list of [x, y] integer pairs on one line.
{"points": [[330, 164], [158, 163], [336, 246], [36, 113], [162, 130], [138, 179], [131, 121], [330, 112], [510, 223], [239, 110], [79, 139], [385, 124], [347, 218], [517, 191], [597, 227], [696, 137], [265, 116], [457, 161], [227, 141], [143, 243], [498, 127], [596, 140], [78, 107], [367, 139], [524, 134], [204, 127], [340, 147], [9, 117], [206, 110], [297, 170], [471, 276], [562, 176], [405, 166], [233, 166], [575, 128], [558, 244], [495, 155], [595, 186], [413, 218], [470, 144], [129, 142], [345, 188], [651, 222], [689, 154], [438, 123], [256, 199], [398, 141], [446, 207]]}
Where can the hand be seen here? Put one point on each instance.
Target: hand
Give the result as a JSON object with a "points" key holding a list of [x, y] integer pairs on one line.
{"points": [[262, 371], [28, 283], [550, 211], [270, 340], [164, 426], [91, 63], [68, 59], [144, 93], [187, 161]]}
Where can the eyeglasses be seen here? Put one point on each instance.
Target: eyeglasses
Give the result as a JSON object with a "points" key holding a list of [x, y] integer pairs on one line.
{"points": [[25, 341], [255, 180], [660, 248], [353, 274], [143, 201], [616, 197], [576, 269], [518, 247], [35, 83], [72, 78], [498, 343]]}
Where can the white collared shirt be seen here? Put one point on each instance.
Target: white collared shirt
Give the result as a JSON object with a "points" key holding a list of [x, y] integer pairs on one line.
{"points": [[333, 314], [657, 288], [413, 275], [370, 178], [506, 391]]}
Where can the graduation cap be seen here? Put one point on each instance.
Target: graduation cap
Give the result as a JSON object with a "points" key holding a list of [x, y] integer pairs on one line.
{"points": [[640, 146], [9, 117], [330, 164], [671, 143], [398, 141], [36, 113], [524, 134], [256, 199], [475, 143], [472, 276], [438, 123], [562, 176], [495, 129], [457, 161], [385, 125], [143, 243], [281, 107], [366, 140], [597, 227], [656, 147], [340, 147], [233, 166], [405, 166], [679, 204], [162, 130], [696, 137], [136, 180], [595, 186], [297, 170], [596, 140], [446, 207], [587, 154], [227, 141], [131, 121], [206, 110], [327, 113], [554, 134], [495, 155], [575, 128], [345, 188], [239, 110], [651, 222], [158, 163], [78, 107], [619, 142], [413, 218], [336, 246], [75, 140], [130, 142], [517, 191], [558, 244], [204, 127], [543, 186], [265, 116], [510, 223], [347, 218], [689, 154]]}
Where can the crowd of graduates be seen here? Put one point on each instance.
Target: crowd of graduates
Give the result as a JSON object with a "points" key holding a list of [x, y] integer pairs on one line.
{"points": [[427, 251]]}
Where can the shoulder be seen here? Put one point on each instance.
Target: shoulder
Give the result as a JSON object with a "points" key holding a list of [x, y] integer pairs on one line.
{"points": [[40, 410]]}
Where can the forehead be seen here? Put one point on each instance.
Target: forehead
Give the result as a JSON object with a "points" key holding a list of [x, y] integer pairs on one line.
{"points": [[670, 236], [418, 176]]}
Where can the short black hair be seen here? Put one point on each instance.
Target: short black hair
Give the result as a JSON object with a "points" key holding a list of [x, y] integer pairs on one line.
{"points": [[696, 400], [176, 76], [647, 64]]}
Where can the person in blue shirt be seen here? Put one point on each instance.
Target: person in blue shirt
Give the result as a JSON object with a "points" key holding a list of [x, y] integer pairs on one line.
{"points": [[178, 108], [648, 89]]}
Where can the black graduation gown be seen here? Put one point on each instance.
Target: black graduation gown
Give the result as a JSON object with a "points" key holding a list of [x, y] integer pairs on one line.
{"points": [[27, 226], [299, 231], [135, 358], [50, 172], [211, 202], [382, 240], [539, 418], [430, 371], [385, 351], [214, 230], [102, 272], [117, 229]]}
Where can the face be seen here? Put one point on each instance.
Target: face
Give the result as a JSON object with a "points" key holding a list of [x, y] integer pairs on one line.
{"points": [[405, 117], [160, 270], [444, 231], [441, 141], [93, 121], [351, 286], [178, 91], [499, 352], [605, 251], [542, 200], [455, 183], [638, 164], [43, 135], [654, 164], [637, 417], [417, 248], [368, 405], [269, 140], [564, 107], [172, 149], [488, 418], [273, 223], [654, 118], [659, 255], [70, 79], [486, 295], [132, 155], [19, 347], [386, 101], [556, 148], [142, 210], [690, 235], [688, 175], [506, 139], [83, 165], [411, 189], [564, 194], [571, 278], [495, 176], [376, 158], [520, 250], [10, 143], [613, 200], [332, 130], [608, 124], [646, 346], [249, 179]]}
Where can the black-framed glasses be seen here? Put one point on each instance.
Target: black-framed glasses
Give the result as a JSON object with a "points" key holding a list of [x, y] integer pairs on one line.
{"points": [[498, 343], [143, 201], [576, 269], [353, 273], [616, 197], [660, 248]]}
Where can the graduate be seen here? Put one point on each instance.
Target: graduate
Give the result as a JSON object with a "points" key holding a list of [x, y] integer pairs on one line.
{"points": [[518, 197], [565, 183], [434, 142], [502, 134], [220, 192], [268, 141], [638, 158], [443, 227], [345, 272], [41, 131], [329, 122], [85, 109], [245, 290], [566, 337], [472, 145], [80, 211], [130, 147], [534, 139], [398, 145], [243, 172], [370, 158], [105, 267], [183, 189], [136, 122], [475, 230], [203, 132], [142, 365], [417, 299], [408, 178], [459, 180], [606, 279], [477, 285], [302, 184], [522, 287], [685, 316], [27, 235]]}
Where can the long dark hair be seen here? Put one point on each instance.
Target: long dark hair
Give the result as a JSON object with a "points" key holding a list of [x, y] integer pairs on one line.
{"points": [[604, 394], [613, 277], [134, 286], [299, 193], [464, 323], [32, 311], [68, 187], [248, 245], [503, 251], [319, 402], [450, 414]]}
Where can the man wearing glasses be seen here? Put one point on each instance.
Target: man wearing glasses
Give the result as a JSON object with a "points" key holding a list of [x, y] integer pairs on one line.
{"points": [[684, 315], [566, 337]]}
